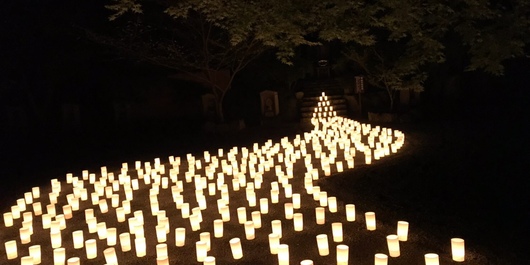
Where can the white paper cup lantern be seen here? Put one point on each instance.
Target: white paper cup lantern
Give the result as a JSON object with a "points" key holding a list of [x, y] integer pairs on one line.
{"points": [[289, 211], [140, 246], [242, 215], [110, 256], [370, 221], [332, 204], [225, 213], [235, 246], [91, 248], [111, 236], [162, 261], [264, 205], [431, 259], [274, 242], [298, 222], [256, 218], [56, 239], [393, 245], [73, 261], [320, 214], [342, 254], [283, 254], [403, 230], [201, 250], [458, 249], [26, 260], [249, 230], [209, 260], [180, 236], [336, 229], [205, 237], [380, 259], [218, 228], [125, 242], [59, 256], [11, 249], [277, 227], [322, 244], [8, 219], [25, 235], [350, 212], [161, 250], [306, 262]]}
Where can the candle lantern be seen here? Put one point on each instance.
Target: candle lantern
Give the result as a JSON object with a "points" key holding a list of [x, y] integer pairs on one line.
{"points": [[125, 242], [111, 236], [8, 219], [201, 249], [370, 221], [25, 235], [225, 213], [283, 254], [402, 230], [332, 204], [342, 254], [458, 249], [161, 250], [380, 259], [298, 222], [274, 242], [306, 262], [249, 230], [320, 215], [288, 207], [11, 249], [296, 201], [264, 205], [209, 260], [73, 261], [393, 245], [242, 215], [162, 261], [235, 246], [205, 237], [336, 229], [350, 212], [218, 228], [110, 256], [277, 227], [59, 256], [180, 236], [139, 244], [26, 260], [77, 237], [431, 259], [91, 248], [322, 243], [256, 218], [161, 233]]}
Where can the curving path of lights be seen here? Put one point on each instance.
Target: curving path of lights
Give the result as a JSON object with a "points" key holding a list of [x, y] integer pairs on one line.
{"points": [[243, 205]]}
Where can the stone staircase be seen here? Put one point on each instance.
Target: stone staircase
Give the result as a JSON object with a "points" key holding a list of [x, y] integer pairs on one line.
{"points": [[313, 90]]}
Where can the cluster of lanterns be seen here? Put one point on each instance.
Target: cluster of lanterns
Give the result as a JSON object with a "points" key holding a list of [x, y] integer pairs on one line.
{"points": [[243, 182]]}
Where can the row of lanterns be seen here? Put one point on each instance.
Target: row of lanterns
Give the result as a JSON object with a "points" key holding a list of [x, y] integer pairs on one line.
{"points": [[335, 142]]}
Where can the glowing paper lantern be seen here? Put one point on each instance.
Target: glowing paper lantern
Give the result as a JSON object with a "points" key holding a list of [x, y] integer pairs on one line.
{"points": [[274, 242], [209, 260], [235, 246], [162, 261], [26, 260], [298, 222], [283, 254], [225, 213], [11, 249], [332, 204], [380, 259], [296, 201], [218, 228], [111, 236], [249, 230], [140, 246], [277, 227], [110, 256], [306, 262], [59, 256], [370, 221], [264, 205], [201, 250], [73, 261], [322, 243], [242, 215], [180, 236], [8, 219], [320, 215], [77, 237], [458, 249], [161, 250], [205, 237], [125, 242], [91, 248], [289, 211], [342, 254], [432, 259], [403, 230], [256, 218], [350, 212], [25, 235], [336, 229], [393, 245]]}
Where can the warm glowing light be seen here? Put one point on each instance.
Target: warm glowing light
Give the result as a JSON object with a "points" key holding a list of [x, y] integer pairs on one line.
{"points": [[11, 249], [298, 222], [235, 246], [458, 249], [336, 229], [91, 248], [432, 259], [350, 212], [283, 254], [320, 215], [380, 259], [370, 221], [393, 245], [59, 256], [274, 242], [342, 254], [322, 244], [403, 230], [180, 236], [110, 256]]}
